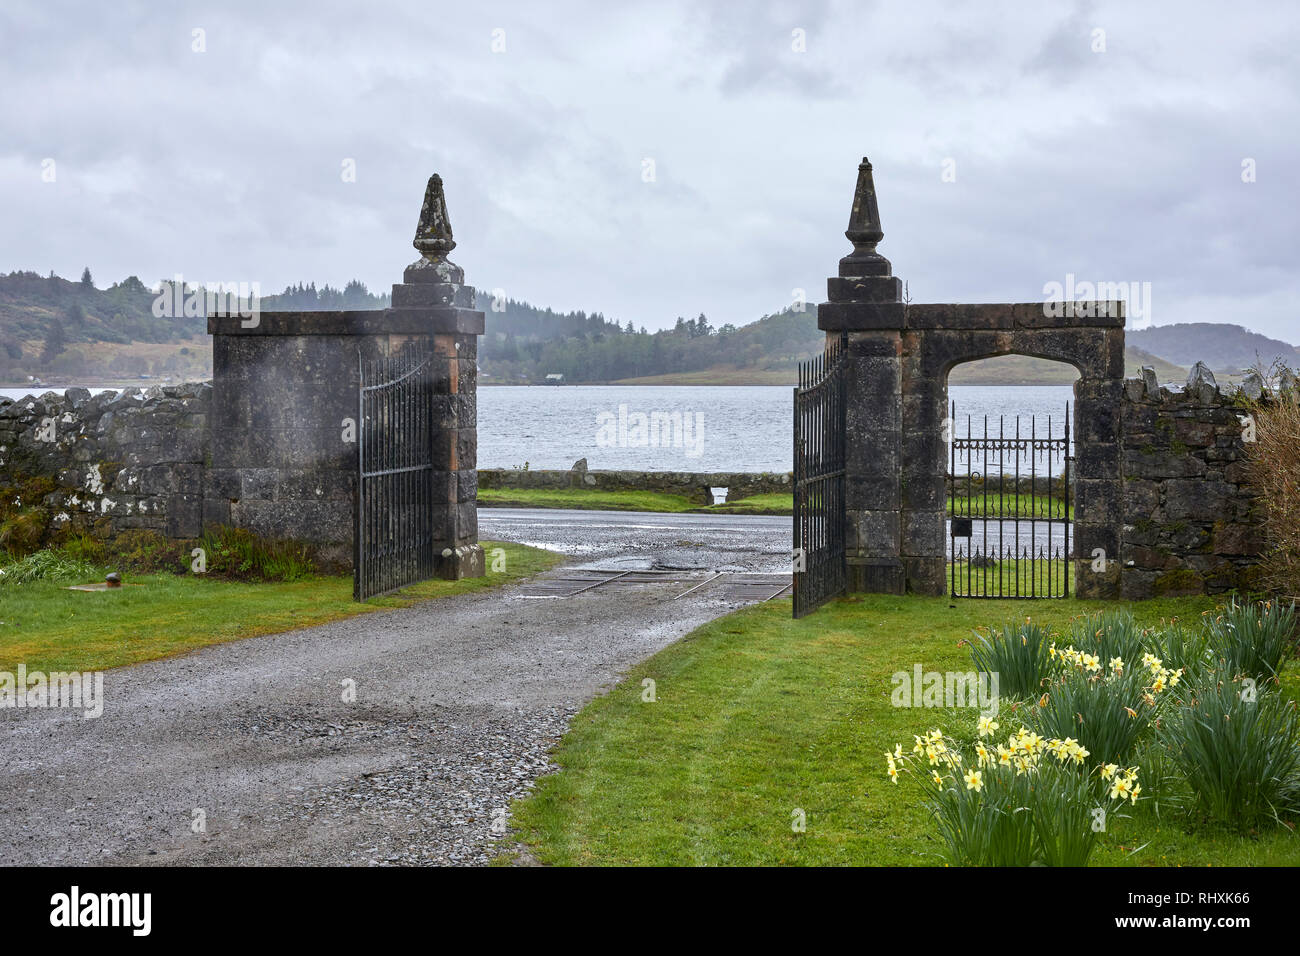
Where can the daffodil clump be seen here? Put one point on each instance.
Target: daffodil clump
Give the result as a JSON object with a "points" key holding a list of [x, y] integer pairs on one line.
{"points": [[1017, 653], [1106, 706], [1251, 639], [1200, 701], [1029, 799], [1236, 744]]}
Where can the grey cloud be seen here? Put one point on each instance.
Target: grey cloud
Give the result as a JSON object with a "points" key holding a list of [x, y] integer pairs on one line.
{"points": [[227, 164]]}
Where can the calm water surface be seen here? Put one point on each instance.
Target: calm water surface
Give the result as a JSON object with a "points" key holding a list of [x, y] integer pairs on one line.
{"points": [[680, 428], [744, 428]]}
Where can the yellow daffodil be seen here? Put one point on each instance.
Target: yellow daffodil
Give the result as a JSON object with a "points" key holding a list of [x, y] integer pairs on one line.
{"points": [[975, 781], [1117, 665]]}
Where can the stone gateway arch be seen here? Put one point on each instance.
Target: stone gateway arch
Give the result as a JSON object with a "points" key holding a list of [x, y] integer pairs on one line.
{"points": [[894, 358]]}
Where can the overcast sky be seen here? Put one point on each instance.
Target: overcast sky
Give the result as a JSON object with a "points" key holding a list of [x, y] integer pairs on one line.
{"points": [[1124, 164]]}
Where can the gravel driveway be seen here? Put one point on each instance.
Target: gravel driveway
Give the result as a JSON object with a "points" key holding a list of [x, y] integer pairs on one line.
{"points": [[457, 703]]}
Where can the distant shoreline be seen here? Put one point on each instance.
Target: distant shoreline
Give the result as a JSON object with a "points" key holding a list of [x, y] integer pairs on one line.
{"points": [[627, 384]]}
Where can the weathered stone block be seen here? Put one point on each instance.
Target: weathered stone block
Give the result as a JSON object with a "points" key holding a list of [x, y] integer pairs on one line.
{"points": [[1152, 462], [1136, 584], [926, 575], [1238, 539], [1097, 460], [924, 534], [1141, 498], [866, 492], [1196, 500], [1098, 502], [184, 516], [875, 534]]}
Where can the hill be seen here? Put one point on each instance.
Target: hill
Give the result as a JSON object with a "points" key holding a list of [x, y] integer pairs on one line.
{"points": [[1223, 347], [68, 331], [1004, 370]]}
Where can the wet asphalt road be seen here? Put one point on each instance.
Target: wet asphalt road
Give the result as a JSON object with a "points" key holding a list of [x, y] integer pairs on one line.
{"points": [[254, 753], [636, 539], [644, 540]]}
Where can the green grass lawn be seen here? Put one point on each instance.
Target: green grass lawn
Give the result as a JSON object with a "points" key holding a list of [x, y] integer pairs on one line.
{"points": [[1011, 578], [583, 498], [769, 504], [48, 627], [758, 715], [1008, 505]]}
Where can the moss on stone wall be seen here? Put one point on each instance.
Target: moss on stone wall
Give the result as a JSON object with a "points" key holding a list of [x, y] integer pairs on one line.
{"points": [[1178, 583]]}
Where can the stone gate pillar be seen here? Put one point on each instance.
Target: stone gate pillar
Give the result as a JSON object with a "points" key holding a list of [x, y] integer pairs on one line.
{"points": [[866, 306], [284, 408]]}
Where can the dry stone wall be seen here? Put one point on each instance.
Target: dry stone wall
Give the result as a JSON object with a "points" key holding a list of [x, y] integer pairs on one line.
{"points": [[118, 461], [1192, 523]]}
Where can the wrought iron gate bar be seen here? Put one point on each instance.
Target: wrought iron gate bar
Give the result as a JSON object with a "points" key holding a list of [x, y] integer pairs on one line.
{"points": [[1009, 566], [394, 516], [819, 518]]}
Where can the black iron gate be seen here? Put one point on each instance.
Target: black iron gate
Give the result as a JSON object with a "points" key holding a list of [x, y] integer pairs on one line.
{"points": [[1009, 508], [393, 538], [819, 480]]}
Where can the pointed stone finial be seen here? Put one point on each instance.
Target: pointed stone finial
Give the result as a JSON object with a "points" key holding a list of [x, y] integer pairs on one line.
{"points": [[433, 239], [864, 229], [433, 234], [864, 221]]}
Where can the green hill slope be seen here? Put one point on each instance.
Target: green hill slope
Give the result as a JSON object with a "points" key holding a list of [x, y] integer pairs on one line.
{"points": [[1222, 347], [67, 331]]}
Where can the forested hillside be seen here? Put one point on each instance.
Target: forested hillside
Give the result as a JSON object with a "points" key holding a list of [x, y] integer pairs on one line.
{"points": [[64, 331], [57, 329], [525, 344]]}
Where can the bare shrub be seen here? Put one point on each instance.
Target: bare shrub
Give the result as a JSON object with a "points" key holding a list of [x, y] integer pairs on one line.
{"points": [[1274, 469]]}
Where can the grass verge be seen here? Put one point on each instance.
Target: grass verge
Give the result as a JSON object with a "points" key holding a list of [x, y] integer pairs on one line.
{"points": [[48, 627], [978, 505], [758, 716], [583, 498]]}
